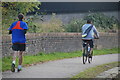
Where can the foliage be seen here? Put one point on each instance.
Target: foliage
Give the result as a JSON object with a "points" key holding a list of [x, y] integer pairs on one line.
{"points": [[74, 25], [19, 0], [10, 10], [0, 20], [53, 25], [13, 8], [103, 22]]}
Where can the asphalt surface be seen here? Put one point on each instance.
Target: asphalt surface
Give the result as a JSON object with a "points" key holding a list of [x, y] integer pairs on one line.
{"points": [[65, 68]]}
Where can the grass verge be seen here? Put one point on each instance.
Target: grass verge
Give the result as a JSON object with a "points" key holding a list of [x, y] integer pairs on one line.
{"points": [[94, 71], [42, 57]]}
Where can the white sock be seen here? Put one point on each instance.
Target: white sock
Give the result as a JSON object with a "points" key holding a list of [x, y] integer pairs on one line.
{"points": [[13, 62], [19, 66]]}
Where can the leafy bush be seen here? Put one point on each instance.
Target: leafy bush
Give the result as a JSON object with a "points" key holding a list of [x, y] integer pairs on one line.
{"points": [[103, 22], [74, 25], [53, 25]]}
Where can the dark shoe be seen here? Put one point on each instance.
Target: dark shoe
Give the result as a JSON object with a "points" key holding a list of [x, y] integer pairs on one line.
{"points": [[13, 67], [19, 70]]}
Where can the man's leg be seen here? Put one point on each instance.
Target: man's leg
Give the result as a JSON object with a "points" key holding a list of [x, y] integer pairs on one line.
{"points": [[83, 46], [14, 60], [90, 56], [20, 60], [91, 48], [14, 56], [22, 49], [20, 57], [83, 49]]}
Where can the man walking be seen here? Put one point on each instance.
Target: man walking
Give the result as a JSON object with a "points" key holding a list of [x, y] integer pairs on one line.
{"points": [[18, 30]]}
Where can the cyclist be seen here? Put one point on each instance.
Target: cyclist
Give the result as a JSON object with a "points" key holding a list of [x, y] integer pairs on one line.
{"points": [[93, 33], [18, 30]]}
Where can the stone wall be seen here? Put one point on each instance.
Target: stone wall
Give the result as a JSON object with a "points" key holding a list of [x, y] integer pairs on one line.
{"points": [[58, 42]]}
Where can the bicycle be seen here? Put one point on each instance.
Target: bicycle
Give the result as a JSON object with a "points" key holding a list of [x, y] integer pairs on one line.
{"points": [[86, 53]]}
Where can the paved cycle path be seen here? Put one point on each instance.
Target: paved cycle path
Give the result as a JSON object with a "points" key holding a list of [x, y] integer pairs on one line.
{"points": [[65, 68]]}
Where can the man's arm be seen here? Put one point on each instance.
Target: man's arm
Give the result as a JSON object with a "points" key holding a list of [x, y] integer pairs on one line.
{"points": [[10, 29], [25, 31], [96, 33], [25, 27], [10, 32]]}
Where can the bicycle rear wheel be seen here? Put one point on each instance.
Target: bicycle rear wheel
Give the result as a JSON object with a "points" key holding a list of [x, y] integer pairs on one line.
{"points": [[85, 55]]}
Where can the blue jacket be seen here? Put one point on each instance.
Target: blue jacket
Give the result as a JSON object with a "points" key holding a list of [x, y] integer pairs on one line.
{"points": [[91, 33], [18, 35]]}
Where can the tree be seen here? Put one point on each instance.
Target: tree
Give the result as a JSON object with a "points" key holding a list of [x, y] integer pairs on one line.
{"points": [[11, 9]]}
